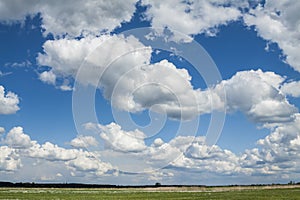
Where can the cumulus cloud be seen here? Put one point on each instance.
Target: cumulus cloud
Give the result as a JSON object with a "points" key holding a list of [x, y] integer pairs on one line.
{"points": [[9, 159], [117, 139], [17, 148], [278, 21], [197, 156], [86, 162], [291, 88], [277, 153], [16, 138], [65, 56], [2, 130], [48, 77], [132, 84], [125, 75], [52, 152], [8, 102], [258, 95], [193, 17], [83, 141], [71, 18]]}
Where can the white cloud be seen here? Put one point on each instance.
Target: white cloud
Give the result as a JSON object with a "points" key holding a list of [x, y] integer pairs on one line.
{"points": [[8, 102], [86, 162], [52, 152], [119, 140], [278, 21], [2, 74], [197, 156], [2, 130], [291, 88], [73, 18], [66, 88], [9, 159], [21, 149], [278, 152], [192, 17], [83, 141], [258, 95], [14, 10], [16, 138], [130, 87], [48, 77], [65, 56], [158, 142]]}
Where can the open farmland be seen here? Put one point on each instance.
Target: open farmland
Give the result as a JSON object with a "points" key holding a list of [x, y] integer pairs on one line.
{"points": [[245, 192]]}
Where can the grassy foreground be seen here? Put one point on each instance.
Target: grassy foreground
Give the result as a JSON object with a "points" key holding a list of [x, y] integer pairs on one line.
{"points": [[152, 193]]}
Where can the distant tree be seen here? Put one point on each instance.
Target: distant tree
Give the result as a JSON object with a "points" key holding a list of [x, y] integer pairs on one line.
{"points": [[157, 184], [291, 183]]}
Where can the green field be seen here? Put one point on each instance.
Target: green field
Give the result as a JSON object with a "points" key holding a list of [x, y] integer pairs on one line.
{"points": [[174, 193]]}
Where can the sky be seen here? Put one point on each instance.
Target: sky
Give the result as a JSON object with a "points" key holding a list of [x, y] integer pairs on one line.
{"points": [[139, 92]]}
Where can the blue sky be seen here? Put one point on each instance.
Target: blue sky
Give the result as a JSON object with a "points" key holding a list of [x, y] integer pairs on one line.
{"points": [[93, 98]]}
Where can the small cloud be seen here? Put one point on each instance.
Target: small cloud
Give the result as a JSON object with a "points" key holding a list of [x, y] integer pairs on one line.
{"points": [[83, 142], [8, 102], [2, 130], [25, 63], [2, 74], [66, 88], [48, 77]]}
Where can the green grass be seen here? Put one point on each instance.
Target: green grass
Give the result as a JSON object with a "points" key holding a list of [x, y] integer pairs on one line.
{"points": [[74, 194]]}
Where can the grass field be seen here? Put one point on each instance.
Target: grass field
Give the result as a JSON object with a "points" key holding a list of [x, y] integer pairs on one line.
{"points": [[153, 193]]}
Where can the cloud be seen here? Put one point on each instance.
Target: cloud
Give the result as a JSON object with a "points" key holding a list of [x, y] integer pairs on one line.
{"points": [[291, 88], [9, 160], [52, 152], [86, 162], [192, 17], [17, 139], [14, 10], [2, 74], [48, 77], [2, 130], [278, 21], [25, 63], [161, 85], [119, 140], [83, 142], [8, 102], [257, 94], [278, 152], [120, 66], [71, 18], [198, 157], [20, 148]]}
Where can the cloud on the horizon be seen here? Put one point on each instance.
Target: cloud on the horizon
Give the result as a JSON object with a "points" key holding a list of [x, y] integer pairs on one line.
{"points": [[275, 155], [17, 147], [261, 96], [8, 102]]}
